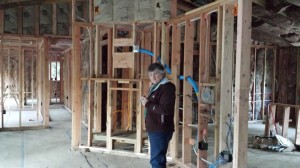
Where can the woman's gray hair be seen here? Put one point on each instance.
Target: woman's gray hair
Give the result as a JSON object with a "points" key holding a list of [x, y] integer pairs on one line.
{"points": [[156, 66]]}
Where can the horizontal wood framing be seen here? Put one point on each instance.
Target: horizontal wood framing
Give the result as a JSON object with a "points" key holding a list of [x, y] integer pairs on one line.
{"points": [[271, 122]]}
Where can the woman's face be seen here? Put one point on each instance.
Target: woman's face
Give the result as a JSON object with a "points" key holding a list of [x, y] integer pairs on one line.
{"points": [[155, 76]]}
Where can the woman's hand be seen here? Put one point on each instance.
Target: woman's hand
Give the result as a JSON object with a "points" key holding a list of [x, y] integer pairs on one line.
{"points": [[143, 100]]}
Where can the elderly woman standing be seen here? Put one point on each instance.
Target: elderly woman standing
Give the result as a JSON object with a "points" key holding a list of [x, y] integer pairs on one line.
{"points": [[159, 114]]}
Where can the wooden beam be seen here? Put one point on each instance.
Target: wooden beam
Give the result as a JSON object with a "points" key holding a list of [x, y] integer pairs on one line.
{"points": [[187, 91], [254, 85], [226, 74], [155, 31], [2, 81], [76, 87], [110, 52], [274, 74], [242, 77], [204, 37], [175, 72], [298, 78], [46, 83], [164, 57], [21, 81], [297, 126], [139, 120], [98, 90], [76, 84], [91, 88], [263, 85], [109, 109], [285, 125]]}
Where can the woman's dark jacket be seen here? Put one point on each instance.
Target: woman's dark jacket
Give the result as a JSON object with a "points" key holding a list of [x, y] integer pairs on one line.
{"points": [[160, 109]]}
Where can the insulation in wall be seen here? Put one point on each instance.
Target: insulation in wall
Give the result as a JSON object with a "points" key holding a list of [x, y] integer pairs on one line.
{"points": [[144, 9], [63, 11], [45, 19], [80, 7], [103, 10], [11, 76], [123, 10], [28, 20], [131, 10], [11, 18], [162, 9], [85, 72], [28, 73]]}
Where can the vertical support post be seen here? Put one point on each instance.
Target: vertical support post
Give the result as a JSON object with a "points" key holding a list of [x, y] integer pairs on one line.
{"points": [[175, 71], [2, 79], [21, 81], [142, 55], [76, 87], [39, 80], [110, 49], [147, 59], [242, 77], [298, 79], [263, 87], [154, 58], [62, 81], [187, 91], [270, 119], [226, 74], [254, 85], [297, 110], [90, 112], [285, 125], [98, 85], [54, 18], [91, 85], [219, 50], [274, 75], [164, 56], [109, 143], [76, 82], [203, 78], [297, 126], [139, 120], [46, 83]]}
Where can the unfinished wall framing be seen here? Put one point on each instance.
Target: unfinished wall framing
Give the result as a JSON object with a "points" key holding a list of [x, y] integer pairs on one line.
{"points": [[120, 78], [21, 82]]}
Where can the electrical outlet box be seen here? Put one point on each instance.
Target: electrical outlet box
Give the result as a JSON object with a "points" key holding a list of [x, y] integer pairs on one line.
{"points": [[203, 145]]}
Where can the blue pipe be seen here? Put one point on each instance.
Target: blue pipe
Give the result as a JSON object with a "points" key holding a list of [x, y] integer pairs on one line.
{"points": [[146, 52], [193, 83], [168, 69]]}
